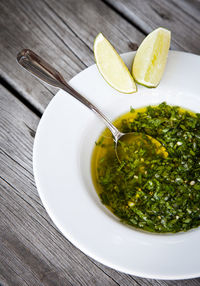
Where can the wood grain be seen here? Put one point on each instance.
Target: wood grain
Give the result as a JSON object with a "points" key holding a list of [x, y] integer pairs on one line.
{"points": [[182, 17], [32, 250], [60, 31]]}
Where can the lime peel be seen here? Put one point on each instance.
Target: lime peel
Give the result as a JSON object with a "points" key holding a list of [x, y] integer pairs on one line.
{"points": [[150, 59], [112, 67]]}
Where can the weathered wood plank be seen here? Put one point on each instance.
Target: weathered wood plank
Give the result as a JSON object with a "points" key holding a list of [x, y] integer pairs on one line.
{"points": [[32, 251], [62, 32], [31, 247], [182, 17]]}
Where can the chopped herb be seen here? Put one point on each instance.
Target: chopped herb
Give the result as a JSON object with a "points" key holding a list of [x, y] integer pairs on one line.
{"points": [[146, 190], [132, 110]]}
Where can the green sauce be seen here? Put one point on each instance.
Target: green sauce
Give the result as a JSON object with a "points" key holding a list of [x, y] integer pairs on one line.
{"points": [[147, 190]]}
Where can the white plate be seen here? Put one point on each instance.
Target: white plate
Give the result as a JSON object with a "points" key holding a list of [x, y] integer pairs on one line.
{"points": [[61, 160]]}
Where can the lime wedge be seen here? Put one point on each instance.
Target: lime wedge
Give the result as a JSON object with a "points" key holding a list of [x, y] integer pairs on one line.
{"points": [[112, 67], [150, 59]]}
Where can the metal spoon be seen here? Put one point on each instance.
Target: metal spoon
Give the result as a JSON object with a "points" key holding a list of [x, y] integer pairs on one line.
{"points": [[44, 71]]}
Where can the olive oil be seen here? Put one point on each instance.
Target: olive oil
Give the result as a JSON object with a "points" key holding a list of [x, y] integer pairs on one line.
{"points": [[105, 144], [153, 193]]}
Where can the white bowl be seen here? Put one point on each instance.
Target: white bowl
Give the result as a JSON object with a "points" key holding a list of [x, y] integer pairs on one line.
{"points": [[61, 160]]}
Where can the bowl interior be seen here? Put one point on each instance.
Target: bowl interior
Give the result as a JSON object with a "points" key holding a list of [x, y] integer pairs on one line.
{"points": [[62, 168]]}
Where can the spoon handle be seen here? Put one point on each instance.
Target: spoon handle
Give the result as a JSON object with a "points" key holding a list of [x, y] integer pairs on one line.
{"points": [[44, 71]]}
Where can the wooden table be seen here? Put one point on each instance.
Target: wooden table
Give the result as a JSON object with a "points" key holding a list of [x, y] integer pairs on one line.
{"points": [[32, 250]]}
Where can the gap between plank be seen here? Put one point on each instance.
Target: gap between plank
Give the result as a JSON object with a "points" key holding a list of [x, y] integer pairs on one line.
{"points": [[68, 27], [20, 97], [136, 22]]}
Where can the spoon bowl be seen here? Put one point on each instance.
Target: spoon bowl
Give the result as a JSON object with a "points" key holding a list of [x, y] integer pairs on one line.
{"points": [[130, 143], [123, 141]]}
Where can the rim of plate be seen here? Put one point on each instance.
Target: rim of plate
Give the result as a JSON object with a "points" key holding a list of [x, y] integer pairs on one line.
{"points": [[43, 158]]}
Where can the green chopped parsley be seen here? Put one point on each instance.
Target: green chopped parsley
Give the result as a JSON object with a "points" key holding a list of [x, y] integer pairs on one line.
{"points": [[153, 193]]}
